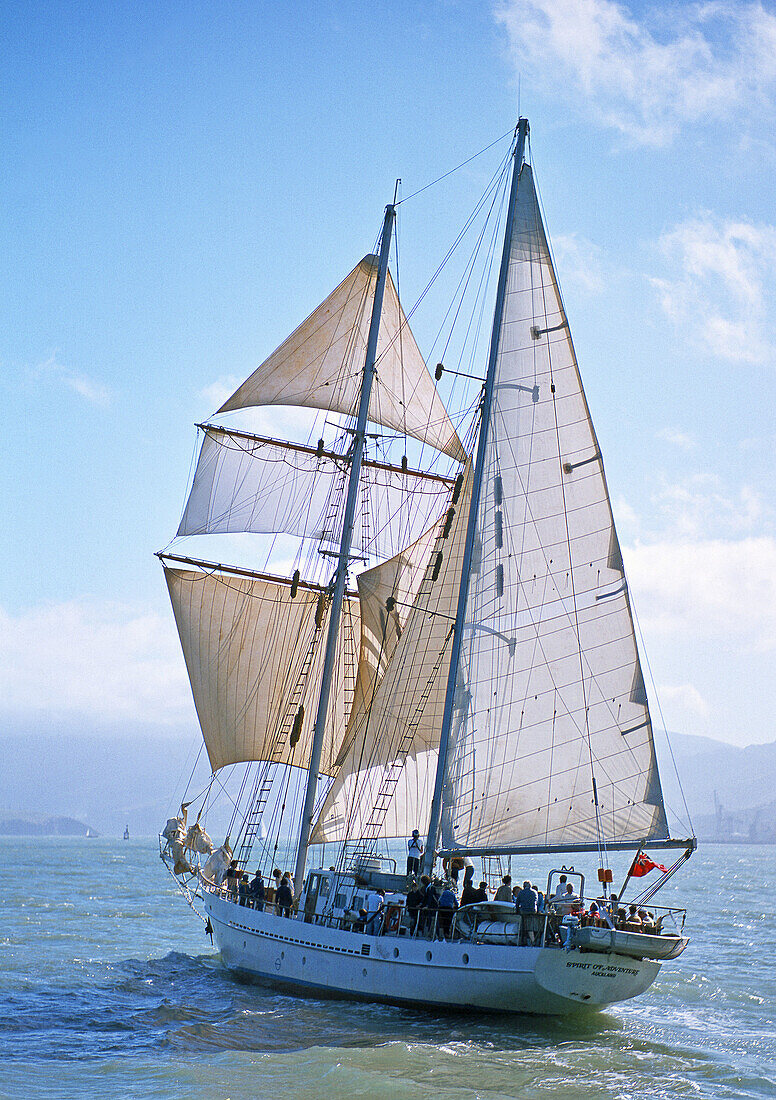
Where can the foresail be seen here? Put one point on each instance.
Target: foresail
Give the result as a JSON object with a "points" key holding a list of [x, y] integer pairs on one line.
{"points": [[244, 483], [388, 761], [319, 366], [253, 656], [550, 694]]}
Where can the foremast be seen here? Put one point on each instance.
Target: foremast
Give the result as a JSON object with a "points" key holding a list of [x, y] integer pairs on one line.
{"points": [[463, 593], [340, 578]]}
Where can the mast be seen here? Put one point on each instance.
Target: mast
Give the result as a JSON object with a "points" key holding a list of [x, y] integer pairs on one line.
{"points": [[359, 439], [463, 593]]}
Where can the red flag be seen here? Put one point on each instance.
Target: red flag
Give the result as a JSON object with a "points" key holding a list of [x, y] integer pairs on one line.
{"points": [[642, 865]]}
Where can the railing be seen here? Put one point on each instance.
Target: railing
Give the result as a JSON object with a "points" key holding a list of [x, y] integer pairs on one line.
{"points": [[524, 930]]}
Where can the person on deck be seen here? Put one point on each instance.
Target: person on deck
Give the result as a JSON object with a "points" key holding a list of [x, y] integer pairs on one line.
{"points": [[504, 892], [242, 890], [414, 853], [232, 877], [527, 905], [284, 898], [375, 902], [482, 892], [414, 905], [430, 904], [258, 891], [568, 902], [447, 906], [469, 895], [560, 890]]}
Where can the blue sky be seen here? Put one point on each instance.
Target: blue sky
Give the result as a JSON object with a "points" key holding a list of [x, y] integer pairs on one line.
{"points": [[183, 183]]}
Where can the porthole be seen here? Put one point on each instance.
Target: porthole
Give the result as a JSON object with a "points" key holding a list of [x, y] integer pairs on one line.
{"points": [[465, 959], [396, 952], [364, 971], [282, 954], [428, 956], [304, 960]]}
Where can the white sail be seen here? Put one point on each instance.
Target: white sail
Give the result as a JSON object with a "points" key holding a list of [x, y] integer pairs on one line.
{"points": [[253, 656], [550, 691], [389, 759], [244, 483], [320, 365]]}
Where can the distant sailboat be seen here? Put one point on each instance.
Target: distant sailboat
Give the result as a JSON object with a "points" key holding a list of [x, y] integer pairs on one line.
{"points": [[126, 833], [483, 676]]}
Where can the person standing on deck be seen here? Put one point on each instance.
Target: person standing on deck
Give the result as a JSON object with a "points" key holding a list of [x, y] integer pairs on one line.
{"points": [[414, 853], [504, 892]]}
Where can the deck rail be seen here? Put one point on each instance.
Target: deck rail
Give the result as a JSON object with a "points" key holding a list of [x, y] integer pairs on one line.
{"points": [[549, 929]]}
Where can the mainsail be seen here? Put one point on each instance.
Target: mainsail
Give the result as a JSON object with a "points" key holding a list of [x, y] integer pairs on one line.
{"points": [[551, 711], [320, 366]]}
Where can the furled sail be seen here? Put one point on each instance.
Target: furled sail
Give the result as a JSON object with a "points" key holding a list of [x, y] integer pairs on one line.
{"points": [[550, 697], [388, 761], [246, 483], [320, 364], [255, 655]]}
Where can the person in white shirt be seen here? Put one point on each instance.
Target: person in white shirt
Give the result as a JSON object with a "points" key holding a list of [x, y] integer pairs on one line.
{"points": [[414, 853], [568, 903], [560, 889], [374, 907]]}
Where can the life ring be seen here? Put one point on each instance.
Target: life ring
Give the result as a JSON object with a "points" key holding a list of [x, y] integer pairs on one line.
{"points": [[393, 918]]}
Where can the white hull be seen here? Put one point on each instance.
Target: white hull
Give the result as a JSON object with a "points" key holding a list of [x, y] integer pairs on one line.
{"points": [[438, 974]]}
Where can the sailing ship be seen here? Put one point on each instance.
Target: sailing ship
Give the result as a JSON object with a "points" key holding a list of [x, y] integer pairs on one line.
{"points": [[449, 643]]}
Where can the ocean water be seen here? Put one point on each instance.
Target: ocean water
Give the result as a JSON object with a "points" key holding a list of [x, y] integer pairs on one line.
{"points": [[109, 987]]}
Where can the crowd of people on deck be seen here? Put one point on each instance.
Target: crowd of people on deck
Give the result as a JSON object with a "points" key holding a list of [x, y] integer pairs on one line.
{"points": [[429, 908], [277, 896]]}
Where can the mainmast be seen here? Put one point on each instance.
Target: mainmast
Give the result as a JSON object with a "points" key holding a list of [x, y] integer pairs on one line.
{"points": [[463, 594], [344, 551]]}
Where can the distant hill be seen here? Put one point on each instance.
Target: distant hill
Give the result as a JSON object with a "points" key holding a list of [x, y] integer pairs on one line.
{"points": [[115, 779], [43, 826], [744, 780]]}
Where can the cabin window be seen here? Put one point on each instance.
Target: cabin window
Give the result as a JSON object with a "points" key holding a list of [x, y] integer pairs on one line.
{"points": [[323, 889], [340, 901]]}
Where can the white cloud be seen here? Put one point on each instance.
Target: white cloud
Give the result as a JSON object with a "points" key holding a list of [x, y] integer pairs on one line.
{"points": [[677, 438], [579, 260], [693, 62], [274, 420], [79, 383], [685, 698], [700, 507], [217, 392], [101, 661], [696, 590], [719, 286]]}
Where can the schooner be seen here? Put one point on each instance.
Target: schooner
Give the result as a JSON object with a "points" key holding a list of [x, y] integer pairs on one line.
{"points": [[449, 645]]}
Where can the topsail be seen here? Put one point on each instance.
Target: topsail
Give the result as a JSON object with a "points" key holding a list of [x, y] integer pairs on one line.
{"points": [[319, 366]]}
